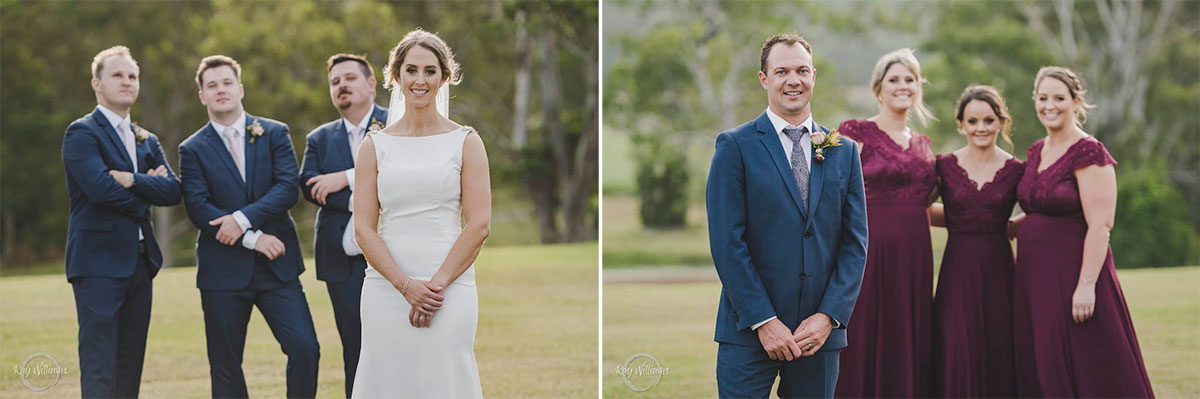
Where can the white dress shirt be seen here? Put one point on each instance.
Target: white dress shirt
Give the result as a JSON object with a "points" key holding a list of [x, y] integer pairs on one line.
{"points": [[805, 142], [250, 238], [124, 128], [348, 244]]}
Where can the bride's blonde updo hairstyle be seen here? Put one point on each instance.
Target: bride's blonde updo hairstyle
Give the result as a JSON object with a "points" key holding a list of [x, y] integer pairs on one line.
{"points": [[420, 37]]}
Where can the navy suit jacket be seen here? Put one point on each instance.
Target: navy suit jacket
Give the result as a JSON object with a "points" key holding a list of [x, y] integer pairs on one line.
{"points": [[774, 260], [102, 233], [327, 151], [212, 187]]}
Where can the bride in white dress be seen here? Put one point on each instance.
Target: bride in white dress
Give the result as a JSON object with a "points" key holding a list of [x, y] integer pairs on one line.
{"points": [[419, 304]]}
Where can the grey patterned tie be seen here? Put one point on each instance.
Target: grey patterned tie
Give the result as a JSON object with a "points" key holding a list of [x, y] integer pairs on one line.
{"points": [[799, 165]]}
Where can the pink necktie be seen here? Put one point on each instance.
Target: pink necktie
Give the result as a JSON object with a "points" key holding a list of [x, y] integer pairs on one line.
{"points": [[129, 141], [231, 141]]}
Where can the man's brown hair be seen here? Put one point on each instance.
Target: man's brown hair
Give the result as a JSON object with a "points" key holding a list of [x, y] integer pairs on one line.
{"points": [[367, 70], [790, 39], [214, 61]]}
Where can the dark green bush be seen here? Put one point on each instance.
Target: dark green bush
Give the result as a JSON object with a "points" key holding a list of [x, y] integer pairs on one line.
{"points": [[662, 178], [1153, 225]]}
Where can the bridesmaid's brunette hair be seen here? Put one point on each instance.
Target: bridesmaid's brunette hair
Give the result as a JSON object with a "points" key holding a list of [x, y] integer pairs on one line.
{"points": [[1075, 86], [420, 37], [906, 58], [991, 96]]}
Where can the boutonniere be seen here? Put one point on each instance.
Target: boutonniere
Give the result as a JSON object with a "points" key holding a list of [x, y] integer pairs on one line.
{"points": [[139, 134], [821, 141], [255, 130], [375, 126]]}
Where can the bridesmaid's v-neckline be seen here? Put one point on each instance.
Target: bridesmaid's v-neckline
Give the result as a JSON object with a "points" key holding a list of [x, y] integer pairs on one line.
{"points": [[1042, 160], [903, 148], [967, 175]]}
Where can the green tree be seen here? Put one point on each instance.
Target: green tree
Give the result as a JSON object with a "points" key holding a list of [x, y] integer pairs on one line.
{"points": [[282, 47], [1142, 64]]}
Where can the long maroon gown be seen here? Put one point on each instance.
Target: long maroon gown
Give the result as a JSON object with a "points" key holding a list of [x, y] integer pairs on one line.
{"points": [[889, 352], [1056, 357], [972, 311]]}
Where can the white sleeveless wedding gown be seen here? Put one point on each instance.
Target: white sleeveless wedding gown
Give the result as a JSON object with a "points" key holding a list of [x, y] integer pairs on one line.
{"points": [[419, 220]]}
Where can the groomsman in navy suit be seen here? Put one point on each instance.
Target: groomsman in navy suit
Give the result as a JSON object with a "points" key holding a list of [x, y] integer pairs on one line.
{"points": [[115, 171], [787, 226], [328, 176], [239, 180]]}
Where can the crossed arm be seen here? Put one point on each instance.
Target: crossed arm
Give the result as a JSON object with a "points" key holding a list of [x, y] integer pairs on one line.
{"points": [[210, 218], [324, 189], [111, 188]]}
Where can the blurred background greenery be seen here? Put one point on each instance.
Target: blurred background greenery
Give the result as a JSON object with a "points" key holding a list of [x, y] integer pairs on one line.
{"points": [[530, 88], [676, 73]]}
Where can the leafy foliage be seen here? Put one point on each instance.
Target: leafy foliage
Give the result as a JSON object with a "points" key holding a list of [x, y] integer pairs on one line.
{"points": [[282, 47]]}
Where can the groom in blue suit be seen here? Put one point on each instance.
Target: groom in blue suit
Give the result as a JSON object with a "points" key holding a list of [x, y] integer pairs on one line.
{"points": [[115, 170], [239, 180], [328, 176], [787, 229]]}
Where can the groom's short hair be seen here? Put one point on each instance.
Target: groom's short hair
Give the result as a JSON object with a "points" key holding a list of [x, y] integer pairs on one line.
{"points": [[214, 61], [98, 61], [367, 70], [790, 39]]}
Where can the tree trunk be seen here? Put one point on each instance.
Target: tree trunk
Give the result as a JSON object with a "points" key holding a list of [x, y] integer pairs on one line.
{"points": [[585, 164], [521, 93]]}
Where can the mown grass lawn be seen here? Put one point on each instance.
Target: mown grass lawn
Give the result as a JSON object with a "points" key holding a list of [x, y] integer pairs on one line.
{"points": [[628, 244], [674, 323], [537, 332]]}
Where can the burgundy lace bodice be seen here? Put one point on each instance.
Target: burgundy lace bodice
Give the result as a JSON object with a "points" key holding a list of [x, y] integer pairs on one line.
{"points": [[890, 172], [1054, 191], [969, 208]]}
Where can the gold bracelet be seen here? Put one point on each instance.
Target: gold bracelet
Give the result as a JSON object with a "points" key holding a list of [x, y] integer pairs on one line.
{"points": [[404, 290]]}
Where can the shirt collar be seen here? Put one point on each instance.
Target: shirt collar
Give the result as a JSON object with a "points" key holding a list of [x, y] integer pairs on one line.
{"points": [[114, 119], [239, 124], [361, 124], [779, 123]]}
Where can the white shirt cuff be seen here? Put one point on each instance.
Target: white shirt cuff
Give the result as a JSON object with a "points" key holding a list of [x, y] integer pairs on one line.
{"points": [[759, 324], [241, 220], [349, 245], [250, 239], [350, 178]]}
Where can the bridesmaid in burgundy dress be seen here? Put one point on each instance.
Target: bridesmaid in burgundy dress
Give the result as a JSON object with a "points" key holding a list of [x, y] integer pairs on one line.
{"points": [[972, 312], [1073, 334], [889, 352]]}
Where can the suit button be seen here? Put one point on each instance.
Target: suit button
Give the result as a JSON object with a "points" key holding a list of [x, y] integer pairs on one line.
{"points": [[803, 275], [808, 234]]}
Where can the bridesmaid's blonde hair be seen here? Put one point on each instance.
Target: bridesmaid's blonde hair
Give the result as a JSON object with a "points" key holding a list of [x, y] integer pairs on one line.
{"points": [[1075, 86], [906, 58]]}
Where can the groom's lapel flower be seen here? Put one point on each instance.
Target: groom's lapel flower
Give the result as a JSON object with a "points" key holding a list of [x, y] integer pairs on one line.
{"points": [[139, 134], [821, 141], [255, 130], [375, 125]]}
